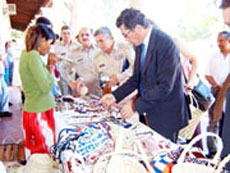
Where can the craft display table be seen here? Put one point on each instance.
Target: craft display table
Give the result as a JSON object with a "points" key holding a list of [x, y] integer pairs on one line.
{"points": [[92, 132]]}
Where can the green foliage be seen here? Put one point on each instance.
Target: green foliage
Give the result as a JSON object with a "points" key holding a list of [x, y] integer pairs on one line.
{"points": [[200, 21], [202, 29]]}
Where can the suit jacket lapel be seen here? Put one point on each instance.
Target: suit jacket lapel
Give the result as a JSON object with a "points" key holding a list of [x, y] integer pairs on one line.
{"points": [[138, 56]]}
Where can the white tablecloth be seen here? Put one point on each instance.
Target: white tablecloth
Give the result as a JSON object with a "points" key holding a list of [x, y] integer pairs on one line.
{"points": [[152, 141]]}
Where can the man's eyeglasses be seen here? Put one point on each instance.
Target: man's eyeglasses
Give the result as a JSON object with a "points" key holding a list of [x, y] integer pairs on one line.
{"points": [[126, 34]]}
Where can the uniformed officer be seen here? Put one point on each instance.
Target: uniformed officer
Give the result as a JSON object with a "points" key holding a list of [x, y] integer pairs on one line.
{"points": [[115, 59], [62, 49], [82, 65]]}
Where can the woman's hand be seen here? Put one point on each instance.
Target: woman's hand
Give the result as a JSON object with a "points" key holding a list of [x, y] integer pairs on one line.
{"points": [[52, 59]]}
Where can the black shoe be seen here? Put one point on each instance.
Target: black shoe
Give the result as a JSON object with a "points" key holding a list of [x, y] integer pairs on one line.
{"points": [[5, 114]]}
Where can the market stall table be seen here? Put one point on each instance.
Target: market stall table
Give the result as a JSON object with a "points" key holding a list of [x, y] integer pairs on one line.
{"points": [[85, 128]]}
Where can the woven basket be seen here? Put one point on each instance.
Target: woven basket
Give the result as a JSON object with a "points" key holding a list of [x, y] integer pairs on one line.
{"points": [[222, 164], [184, 167], [124, 160], [188, 131]]}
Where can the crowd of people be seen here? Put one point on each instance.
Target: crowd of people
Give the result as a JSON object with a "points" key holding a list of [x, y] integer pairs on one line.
{"points": [[70, 66], [160, 69]]}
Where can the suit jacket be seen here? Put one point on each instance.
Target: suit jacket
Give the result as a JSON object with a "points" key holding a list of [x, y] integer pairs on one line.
{"points": [[226, 130], [163, 98]]}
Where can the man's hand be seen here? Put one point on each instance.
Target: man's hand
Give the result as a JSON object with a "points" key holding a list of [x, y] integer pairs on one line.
{"points": [[108, 100], [128, 110], [81, 88], [72, 85], [113, 80]]}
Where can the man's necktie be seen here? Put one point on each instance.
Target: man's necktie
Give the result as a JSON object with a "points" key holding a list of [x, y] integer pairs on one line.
{"points": [[143, 57], [125, 64]]}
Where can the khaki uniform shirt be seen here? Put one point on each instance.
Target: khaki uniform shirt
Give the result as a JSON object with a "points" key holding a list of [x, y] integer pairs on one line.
{"points": [[62, 50], [112, 64], [83, 67]]}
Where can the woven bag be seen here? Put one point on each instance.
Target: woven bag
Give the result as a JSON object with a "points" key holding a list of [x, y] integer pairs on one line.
{"points": [[124, 160], [188, 131], [222, 164], [211, 167]]}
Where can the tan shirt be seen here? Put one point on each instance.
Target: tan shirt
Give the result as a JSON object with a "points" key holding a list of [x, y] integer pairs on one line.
{"points": [[112, 64], [62, 50], [83, 67]]}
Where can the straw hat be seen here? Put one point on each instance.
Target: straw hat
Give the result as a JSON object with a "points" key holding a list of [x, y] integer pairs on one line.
{"points": [[39, 163]]}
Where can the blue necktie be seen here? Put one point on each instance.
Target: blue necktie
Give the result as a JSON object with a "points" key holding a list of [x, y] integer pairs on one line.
{"points": [[143, 57], [125, 64]]}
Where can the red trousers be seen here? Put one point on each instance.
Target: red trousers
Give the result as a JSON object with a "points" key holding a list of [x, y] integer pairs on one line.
{"points": [[39, 131]]}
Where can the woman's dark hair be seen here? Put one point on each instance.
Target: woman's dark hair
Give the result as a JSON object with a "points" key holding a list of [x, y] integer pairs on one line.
{"points": [[57, 37], [44, 20], [131, 17], [36, 33]]}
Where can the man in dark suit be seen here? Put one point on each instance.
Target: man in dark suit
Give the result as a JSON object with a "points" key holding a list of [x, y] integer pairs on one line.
{"points": [[157, 76]]}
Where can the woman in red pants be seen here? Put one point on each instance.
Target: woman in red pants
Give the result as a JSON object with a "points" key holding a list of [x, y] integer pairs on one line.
{"points": [[37, 81]]}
